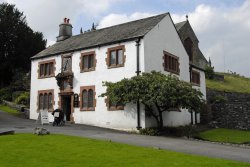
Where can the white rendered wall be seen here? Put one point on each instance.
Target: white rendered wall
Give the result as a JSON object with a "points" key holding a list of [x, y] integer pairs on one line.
{"points": [[122, 119], [43, 84], [165, 37]]}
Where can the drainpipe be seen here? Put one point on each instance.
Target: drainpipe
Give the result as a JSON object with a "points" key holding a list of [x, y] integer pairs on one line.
{"points": [[138, 73], [190, 77]]}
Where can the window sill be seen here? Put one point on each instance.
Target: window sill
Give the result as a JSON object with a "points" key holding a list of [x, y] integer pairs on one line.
{"points": [[116, 66], [87, 70], [116, 108], [171, 71], [195, 84], [87, 109], [49, 76]]}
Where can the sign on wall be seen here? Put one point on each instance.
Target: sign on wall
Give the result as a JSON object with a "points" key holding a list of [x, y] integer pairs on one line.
{"points": [[76, 100]]}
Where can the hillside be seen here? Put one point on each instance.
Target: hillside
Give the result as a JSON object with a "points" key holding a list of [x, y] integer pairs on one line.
{"points": [[232, 83]]}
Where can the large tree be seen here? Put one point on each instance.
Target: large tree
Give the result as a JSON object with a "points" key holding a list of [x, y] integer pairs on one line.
{"points": [[157, 92], [18, 42]]}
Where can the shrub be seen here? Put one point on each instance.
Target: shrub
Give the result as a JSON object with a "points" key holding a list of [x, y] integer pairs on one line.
{"points": [[149, 131], [23, 98], [209, 72], [5, 94]]}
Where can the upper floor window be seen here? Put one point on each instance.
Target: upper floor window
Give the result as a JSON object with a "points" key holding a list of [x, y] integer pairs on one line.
{"points": [[66, 63], [46, 69], [116, 57], [195, 76], [87, 98], [45, 100], [88, 61], [188, 44], [171, 63]]}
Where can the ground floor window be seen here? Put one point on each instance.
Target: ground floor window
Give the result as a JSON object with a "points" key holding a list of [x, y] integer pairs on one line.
{"points": [[114, 106], [87, 98], [45, 100]]}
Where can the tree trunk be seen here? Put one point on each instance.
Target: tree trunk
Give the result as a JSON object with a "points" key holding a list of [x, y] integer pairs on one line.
{"points": [[160, 120]]}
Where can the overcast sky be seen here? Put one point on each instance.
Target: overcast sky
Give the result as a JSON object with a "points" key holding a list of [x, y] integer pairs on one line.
{"points": [[222, 26]]}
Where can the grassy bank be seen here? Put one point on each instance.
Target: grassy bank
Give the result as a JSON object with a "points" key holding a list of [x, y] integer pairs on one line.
{"points": [[60, 150], [232, 83], [8, 110], [226, 136]]}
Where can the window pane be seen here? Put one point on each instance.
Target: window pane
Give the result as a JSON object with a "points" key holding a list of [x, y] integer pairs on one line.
{"points": [[46, 69], [112, 58], [84, 99], [120, 56], [50, 101], [85, 62], [41, 101], [41, 69], [90, 98], [51, 70], [45, 103], [91, 61]]}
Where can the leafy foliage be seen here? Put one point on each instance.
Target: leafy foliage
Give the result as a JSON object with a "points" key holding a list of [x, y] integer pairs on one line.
{"points": [[23, 98], [149, 131], [18, 42], [209, 72], [157, 92]]}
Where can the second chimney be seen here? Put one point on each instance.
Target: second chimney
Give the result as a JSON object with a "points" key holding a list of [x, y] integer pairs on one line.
{"points": [[65, 30]]}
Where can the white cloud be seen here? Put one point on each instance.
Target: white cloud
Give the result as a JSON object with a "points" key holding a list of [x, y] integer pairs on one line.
{"points": [[224, 35], [113, 19], [46, 15]]}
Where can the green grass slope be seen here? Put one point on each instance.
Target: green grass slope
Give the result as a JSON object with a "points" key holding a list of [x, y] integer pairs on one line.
{"points": [[60, 151], [226, 135], [232, 83]]}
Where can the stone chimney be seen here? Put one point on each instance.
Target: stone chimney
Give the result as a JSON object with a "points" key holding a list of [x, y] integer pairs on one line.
{"points": [[65, 30]]}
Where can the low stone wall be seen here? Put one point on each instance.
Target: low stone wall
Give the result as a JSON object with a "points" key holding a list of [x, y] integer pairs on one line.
{"points": [[18, 107], [230, 110]]}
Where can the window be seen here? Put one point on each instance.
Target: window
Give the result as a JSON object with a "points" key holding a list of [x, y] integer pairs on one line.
{"points": [[66, 63], [188, 44], [195, 77], [88, 61], [87, 98], [114, 106], [171, 63], [116, 57], [46, 69], [45, 100]]}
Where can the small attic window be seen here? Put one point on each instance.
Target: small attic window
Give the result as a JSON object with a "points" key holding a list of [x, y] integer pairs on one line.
{"points": [[188, 44]]}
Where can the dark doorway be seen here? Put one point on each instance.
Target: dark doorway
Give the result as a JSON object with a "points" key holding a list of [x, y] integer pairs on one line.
{"points": [[66, 106]]}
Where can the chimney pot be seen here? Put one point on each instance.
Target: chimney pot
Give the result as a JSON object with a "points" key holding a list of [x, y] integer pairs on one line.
{"points": [[65, 30]]}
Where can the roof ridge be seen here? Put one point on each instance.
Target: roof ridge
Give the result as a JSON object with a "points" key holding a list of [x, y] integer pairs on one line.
{"points": [[123, 23]]}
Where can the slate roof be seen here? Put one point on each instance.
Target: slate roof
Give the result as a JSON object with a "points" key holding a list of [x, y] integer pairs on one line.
{"points": [[199, 59], [118, 33], [179, 25]]}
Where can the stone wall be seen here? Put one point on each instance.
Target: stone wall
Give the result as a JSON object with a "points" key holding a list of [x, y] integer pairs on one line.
{"points": [[230, 110], [20, 108]]}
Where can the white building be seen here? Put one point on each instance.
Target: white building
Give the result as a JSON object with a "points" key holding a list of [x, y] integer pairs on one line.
{"points": [[70, 73]]}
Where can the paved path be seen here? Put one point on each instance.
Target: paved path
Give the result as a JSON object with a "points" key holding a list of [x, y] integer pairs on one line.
{"points": [[9, 122]]}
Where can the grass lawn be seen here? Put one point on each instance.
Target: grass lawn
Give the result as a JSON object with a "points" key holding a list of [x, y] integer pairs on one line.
{"points": [[226, 135], [8, 110], [62, 151], [232, 83]]}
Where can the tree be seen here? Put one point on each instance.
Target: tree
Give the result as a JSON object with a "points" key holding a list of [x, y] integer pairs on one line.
{"points": [[157, 92], [18, 42]]}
